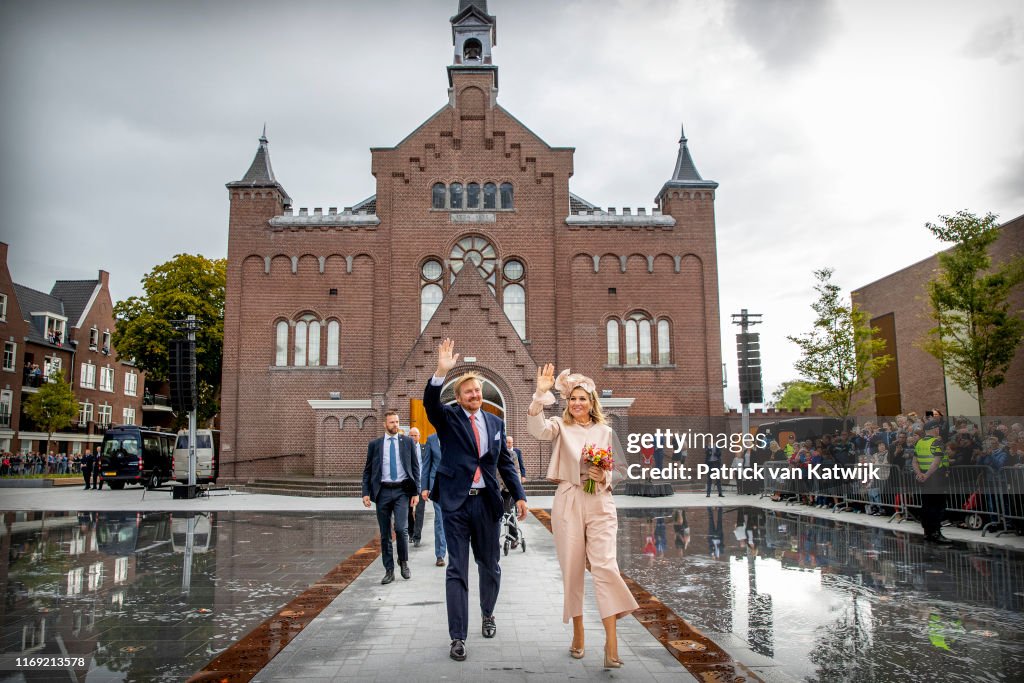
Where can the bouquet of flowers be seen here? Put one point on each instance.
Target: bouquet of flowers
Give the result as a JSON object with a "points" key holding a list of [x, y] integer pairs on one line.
{"points": [[598, 457]]}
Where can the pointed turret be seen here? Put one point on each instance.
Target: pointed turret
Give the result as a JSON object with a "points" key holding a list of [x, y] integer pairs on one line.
{"points": [[685, 174], [261, 173]]}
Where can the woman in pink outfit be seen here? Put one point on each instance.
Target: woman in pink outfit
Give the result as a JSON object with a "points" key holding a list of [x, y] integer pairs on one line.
{"points": [[584, 524]]}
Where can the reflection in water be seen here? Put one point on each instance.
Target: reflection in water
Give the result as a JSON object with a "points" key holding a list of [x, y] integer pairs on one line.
{"points": [[831, 601], [154, 596]]}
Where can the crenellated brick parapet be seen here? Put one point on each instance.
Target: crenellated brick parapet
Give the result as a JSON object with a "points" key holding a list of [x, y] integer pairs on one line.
{"points": [[627, 220], [318, 220]]}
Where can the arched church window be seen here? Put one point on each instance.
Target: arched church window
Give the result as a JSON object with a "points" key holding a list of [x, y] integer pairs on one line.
{"points": [[514, 295], [473, 196], [664, 343], [430, 290], [307, 341], [506, 195], [490, 196], [333, 342], [481, 254], [281, 344], [613, 342], [455, 192], [437, 196]]}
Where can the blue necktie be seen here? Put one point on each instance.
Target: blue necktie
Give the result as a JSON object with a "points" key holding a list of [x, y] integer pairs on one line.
{"points": [[394, 461]]}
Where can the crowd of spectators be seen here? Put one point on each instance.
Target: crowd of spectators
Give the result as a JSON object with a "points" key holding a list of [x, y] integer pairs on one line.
{"points": [[23, 464]]}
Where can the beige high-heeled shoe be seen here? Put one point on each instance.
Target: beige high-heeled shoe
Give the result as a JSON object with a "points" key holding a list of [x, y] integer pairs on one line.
{"points": [[575, 653], [610, 663]]}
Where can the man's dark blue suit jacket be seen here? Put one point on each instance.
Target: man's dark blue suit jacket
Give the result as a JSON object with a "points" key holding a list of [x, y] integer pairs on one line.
{"points": [[459, 456], [372, 470]]}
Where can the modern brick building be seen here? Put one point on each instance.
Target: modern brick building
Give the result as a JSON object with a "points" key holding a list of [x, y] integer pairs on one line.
{"points": [[67, 330], [473, 233], [899, 307]]}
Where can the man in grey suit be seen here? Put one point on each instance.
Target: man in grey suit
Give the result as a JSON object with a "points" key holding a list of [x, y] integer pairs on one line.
{"points": [[431, 459]]}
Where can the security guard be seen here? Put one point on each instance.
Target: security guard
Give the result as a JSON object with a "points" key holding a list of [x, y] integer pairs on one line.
{"points": [[931, 467]]}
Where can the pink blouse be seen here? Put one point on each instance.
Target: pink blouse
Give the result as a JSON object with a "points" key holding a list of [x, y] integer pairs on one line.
{"points": [[568, 442]]}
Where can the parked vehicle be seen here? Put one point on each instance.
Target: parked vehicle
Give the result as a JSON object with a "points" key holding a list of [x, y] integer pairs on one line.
{"points": [[207, 456], [134, 455]]}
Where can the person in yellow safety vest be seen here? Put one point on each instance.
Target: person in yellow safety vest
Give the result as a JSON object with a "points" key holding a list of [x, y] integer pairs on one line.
{"points": [[931, 467], [789, 450]]}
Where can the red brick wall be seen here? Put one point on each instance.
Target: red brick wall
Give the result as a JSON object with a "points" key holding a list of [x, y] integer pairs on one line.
{"points": [[12, 328]]}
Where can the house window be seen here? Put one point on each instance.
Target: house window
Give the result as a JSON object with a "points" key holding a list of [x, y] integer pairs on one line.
{"points": [[333, 342], [506, 195], [55, 330], [131, 384], [437, 196], [10, 355], [107, 379], [613, 342], [106, 414], [6, 405], [281, 344], [106, 342], [84, 413], [664, 343], [129, 416], [88, 376], [94, 339], [52, 368], [3, 307], [490, 196], [455, 194]]}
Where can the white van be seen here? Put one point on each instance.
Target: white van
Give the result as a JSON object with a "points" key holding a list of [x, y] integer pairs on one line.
{"points": [[207, 464]]}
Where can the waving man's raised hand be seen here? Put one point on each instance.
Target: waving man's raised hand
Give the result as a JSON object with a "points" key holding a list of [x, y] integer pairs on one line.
{"points": [[446, 359]]}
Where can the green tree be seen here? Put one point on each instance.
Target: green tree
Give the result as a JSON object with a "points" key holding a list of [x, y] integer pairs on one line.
{"points": [[53, 406], [840, 355], [793, 395], [186, 285], [976, 333]]}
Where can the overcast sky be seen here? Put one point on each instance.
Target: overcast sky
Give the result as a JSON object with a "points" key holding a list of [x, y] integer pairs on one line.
{"points": [[834, 129]]}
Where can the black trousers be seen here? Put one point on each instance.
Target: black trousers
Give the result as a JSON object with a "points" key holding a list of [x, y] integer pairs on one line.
{"points": [[393, 503], [87, 476], [416, 524], [933, 503]]}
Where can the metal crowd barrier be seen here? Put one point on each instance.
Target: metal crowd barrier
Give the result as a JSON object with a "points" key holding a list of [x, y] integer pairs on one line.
{"points": [[977, 492], [1012, 499]]}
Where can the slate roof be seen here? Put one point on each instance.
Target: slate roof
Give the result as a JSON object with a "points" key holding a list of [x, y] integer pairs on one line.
{"points": [[76, 295], [577, 204], [33, 301], [261, 173], [479, 4], [368, 205], [685, 173]]}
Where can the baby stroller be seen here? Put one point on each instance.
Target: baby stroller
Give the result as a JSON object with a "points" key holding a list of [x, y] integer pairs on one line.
{"points": [[511, 533]]}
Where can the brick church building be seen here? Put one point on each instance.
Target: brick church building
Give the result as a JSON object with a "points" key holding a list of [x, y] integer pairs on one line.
{"points": [[333, 317]]}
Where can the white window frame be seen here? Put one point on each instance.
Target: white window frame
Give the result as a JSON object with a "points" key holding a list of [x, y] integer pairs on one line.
{"points": [[106, 343], [105, 414], [13, 346], [107, 379], [128, 415], [3, 307], [94, 338], [85, 412], [6, 401], [87, 378], [131, 384]]}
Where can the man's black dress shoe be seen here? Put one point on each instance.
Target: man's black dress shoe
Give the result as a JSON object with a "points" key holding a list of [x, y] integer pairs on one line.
{"points": [[389, 576], [406, 574], [458, 651], [489, 627], [416, 543]]}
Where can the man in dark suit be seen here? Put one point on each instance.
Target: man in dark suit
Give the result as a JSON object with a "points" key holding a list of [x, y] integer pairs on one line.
{"points": [[431, 459], [416, 511], [473, 453], [519, 458], [390, 480]]}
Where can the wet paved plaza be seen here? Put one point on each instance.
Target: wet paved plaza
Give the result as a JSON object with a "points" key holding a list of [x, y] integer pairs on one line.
{"points": [[810, 599], [795, 598], [120, 590]]}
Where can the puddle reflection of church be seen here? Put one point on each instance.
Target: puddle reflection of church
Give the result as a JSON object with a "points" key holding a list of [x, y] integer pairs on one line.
{"points": [[334, 316]]}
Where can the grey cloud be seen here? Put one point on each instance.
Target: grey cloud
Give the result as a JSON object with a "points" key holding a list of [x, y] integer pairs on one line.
{"points": [[784, 33], [1001, 40]]}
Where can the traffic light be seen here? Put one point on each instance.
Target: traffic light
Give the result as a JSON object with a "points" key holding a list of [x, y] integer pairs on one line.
{"points": [[748, 350], [182, 375]]}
